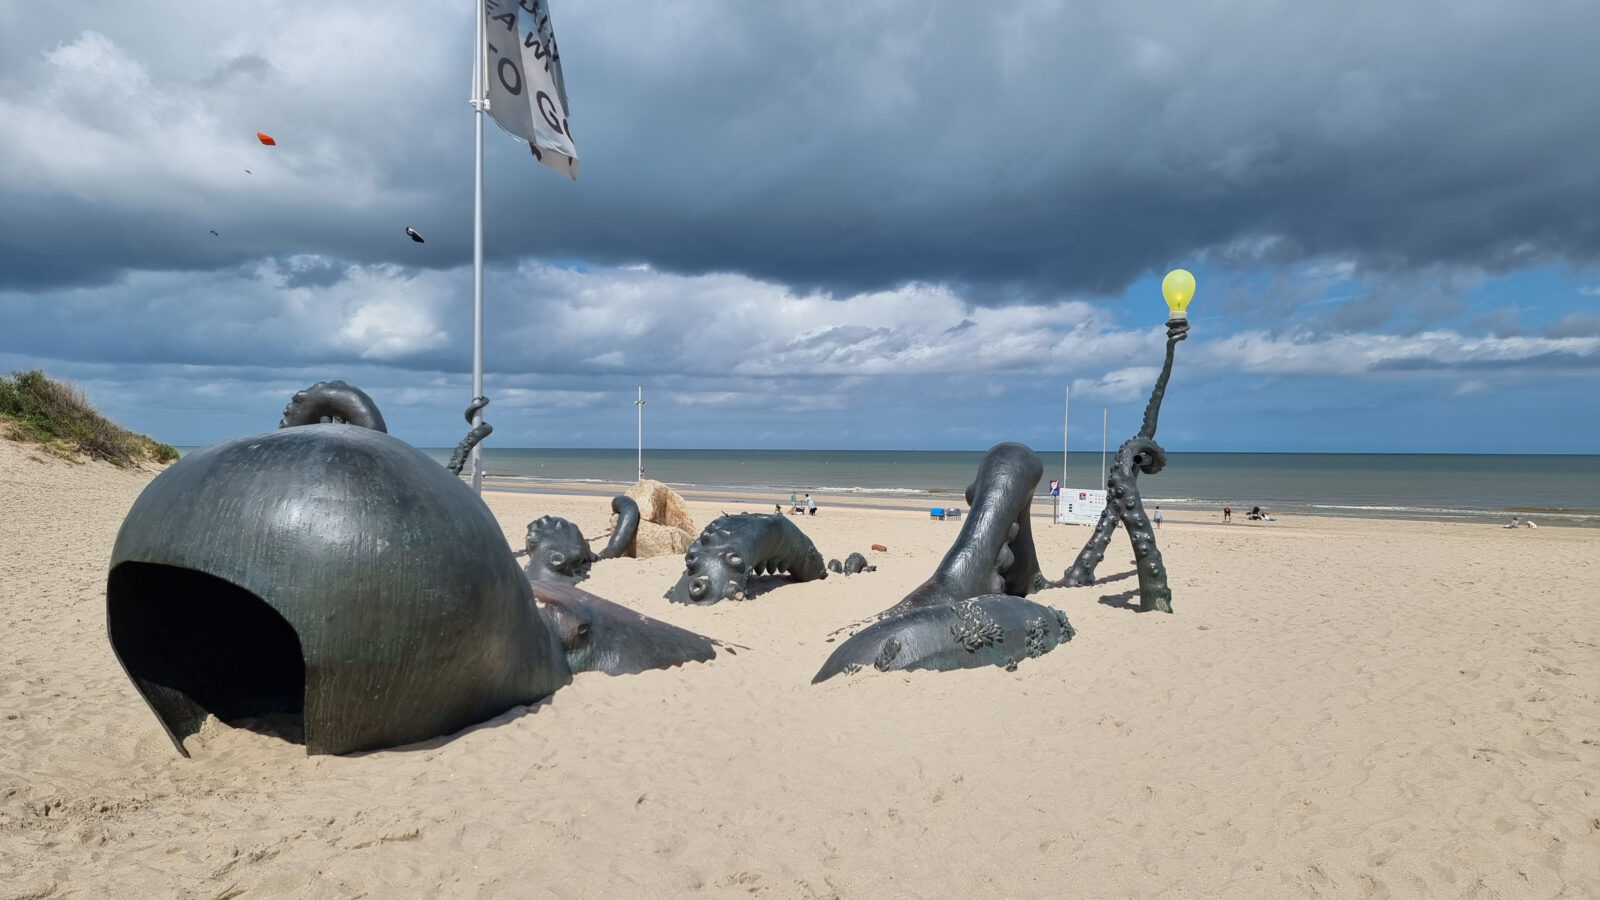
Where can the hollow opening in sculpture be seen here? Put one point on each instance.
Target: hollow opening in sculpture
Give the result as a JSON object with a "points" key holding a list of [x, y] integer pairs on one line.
{"points": [[195, 644]]}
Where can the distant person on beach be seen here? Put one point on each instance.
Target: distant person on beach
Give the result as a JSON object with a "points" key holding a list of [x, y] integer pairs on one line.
{"points": [[1158, 518], [1516, 522], [777, 509], [811, 506], [1227, 514], [794, 504]]}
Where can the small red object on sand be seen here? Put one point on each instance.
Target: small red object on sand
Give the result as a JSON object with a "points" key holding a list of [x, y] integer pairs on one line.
{"points": [[879, 547], [266, 139]]}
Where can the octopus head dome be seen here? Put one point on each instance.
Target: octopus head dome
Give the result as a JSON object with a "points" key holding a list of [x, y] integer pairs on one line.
{"points": [[330, 571]]}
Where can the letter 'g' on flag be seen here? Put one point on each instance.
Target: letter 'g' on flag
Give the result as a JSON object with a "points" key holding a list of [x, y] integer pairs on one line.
{"points": [[527, 95]]}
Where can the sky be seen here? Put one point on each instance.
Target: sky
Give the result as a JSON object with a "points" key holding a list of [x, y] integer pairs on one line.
{"points": [[836, 224]]}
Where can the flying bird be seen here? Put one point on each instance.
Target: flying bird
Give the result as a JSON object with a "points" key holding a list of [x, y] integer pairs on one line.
{"points": [[214, 234], [248, 172], [413, 233], [266, 139]]}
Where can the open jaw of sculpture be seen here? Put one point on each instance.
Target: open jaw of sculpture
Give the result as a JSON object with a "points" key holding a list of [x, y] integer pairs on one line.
{"points": [[733, 549], [337, 575], [600, 636], [971, 612]]}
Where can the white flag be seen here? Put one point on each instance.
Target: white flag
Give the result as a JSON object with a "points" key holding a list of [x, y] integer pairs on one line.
{"points": [[527, 96]]}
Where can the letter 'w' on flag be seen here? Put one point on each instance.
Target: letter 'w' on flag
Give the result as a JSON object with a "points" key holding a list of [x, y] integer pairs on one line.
{"points": [[527, 96]]}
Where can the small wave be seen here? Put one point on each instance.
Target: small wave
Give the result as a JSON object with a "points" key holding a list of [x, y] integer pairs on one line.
{"points": [[1389, 508]]}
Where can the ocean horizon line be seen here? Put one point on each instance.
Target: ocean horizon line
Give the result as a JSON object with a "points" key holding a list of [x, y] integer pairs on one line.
{"points": [[1562, 487], [1109, 451]]}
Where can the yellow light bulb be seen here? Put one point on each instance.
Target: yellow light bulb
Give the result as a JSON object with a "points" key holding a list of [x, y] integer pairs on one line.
{"points": [[1178, 288]]}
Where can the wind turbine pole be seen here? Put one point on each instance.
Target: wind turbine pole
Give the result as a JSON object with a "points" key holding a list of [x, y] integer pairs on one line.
{"points": [[639, 404]]}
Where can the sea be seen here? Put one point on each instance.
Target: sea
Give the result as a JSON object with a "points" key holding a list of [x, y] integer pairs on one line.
{"points": [[1483, 488]]}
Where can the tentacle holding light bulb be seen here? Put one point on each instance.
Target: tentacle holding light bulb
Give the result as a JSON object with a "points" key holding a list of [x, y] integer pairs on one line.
{"points": [[1140, 453]]}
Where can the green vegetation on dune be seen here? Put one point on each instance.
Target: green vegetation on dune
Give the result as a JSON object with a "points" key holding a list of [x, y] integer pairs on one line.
{"points": [[34, 407]]}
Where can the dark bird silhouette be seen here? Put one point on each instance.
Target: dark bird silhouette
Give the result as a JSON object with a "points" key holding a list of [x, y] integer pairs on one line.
{"points": [[248, 172], [413, 233], [214, 234]]}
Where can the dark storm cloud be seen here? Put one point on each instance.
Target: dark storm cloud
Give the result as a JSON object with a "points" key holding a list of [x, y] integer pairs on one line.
{"points": [[1022, 149]]}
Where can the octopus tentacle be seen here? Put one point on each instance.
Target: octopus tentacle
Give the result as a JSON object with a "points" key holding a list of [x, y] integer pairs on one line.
{"points": [[332, 401], [1140, 453], [458, 459]]}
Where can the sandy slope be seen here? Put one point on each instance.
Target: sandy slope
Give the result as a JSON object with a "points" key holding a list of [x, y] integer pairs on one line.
{"points": [[1339, 708]]}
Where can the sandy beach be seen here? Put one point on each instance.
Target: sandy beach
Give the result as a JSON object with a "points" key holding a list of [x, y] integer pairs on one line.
{"points": [[1337, 708]]}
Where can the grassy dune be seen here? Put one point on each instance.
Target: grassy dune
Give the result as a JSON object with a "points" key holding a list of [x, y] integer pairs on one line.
{"points": [[58, 415]]}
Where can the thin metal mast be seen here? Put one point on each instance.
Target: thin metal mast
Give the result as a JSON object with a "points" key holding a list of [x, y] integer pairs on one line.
{"points": [[480, 104], [639, 404], [1102, 448]]}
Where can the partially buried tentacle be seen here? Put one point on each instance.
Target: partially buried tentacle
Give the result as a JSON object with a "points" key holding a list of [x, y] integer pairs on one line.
{"points": [[991, 630], [600, 636], [458, 459], [332, 401], [994, 553], [627, 527]]}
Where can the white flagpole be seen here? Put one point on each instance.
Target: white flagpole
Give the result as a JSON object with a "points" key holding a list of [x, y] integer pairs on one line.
{"points": [[479, 104], [1066, 418], [1102, 448], [640, 404]]}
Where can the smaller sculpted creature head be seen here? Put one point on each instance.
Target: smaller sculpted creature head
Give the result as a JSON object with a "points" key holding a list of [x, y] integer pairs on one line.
{"points": [[714, 570], [557, 551]]}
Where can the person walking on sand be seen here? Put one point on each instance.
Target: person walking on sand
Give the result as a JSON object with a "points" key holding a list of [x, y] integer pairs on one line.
{"points": [[1158, 518], [794, 504], [1227, 514], [811, 506]]}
